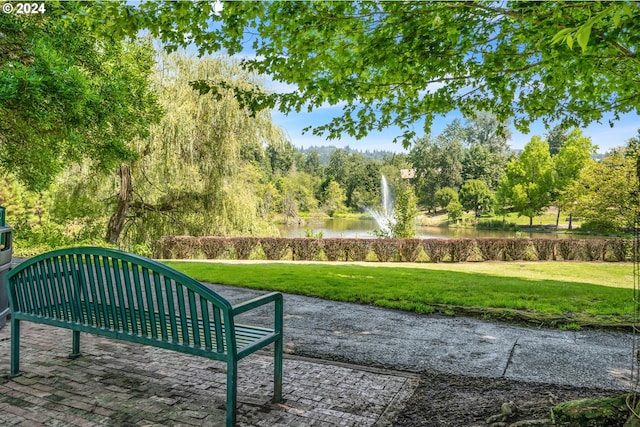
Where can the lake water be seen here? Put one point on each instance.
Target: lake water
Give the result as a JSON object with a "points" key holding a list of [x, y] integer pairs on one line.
{"points": [[363, 228]]}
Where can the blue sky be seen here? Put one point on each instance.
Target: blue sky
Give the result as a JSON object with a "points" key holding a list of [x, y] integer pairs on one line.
{"points": [[604, 136]]}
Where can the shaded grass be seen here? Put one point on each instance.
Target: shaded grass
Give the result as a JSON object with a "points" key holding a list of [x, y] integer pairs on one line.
{"points": [[497, 293]]}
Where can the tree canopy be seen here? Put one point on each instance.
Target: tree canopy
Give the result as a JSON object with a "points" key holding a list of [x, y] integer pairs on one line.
{"points": [[606, 194], [401, 63], [67, 96], [476, 196], [438, 163], [528, 180]]}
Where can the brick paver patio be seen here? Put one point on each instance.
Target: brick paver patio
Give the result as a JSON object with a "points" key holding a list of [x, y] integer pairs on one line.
{"points": [[124, 384]]}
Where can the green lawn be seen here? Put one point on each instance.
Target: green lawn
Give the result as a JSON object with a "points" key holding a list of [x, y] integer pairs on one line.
{"points": [[511, 220], [556, 294]]}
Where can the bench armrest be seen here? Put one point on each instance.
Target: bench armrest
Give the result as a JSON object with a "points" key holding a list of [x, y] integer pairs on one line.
{"points": [[275, 297]]}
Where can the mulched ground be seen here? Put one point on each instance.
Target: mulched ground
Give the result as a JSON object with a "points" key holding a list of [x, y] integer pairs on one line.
{"points": [[445, 400]]}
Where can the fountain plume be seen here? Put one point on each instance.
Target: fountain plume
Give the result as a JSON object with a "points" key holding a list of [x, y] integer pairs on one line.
{"points": [[385, 216]]}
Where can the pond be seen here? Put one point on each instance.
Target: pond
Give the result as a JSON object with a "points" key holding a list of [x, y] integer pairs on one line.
{"points": [[364, 228]]}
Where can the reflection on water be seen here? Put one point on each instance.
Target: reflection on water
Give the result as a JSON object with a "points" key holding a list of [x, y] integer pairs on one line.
{"points": [[363, 228]]}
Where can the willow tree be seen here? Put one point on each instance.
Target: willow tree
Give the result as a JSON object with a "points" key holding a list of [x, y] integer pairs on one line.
{"points": [[190, 176]]}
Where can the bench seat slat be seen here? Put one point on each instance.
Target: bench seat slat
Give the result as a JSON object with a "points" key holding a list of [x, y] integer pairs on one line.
{"points": [[246, 335]]}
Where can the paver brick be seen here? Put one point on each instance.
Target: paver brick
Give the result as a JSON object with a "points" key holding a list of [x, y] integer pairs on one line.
{"points": [[120, 383]]}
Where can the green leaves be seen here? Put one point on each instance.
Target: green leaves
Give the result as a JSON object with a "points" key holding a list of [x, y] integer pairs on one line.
{"points": [[67, 96], [528, 181], [582, 36], [476, 196], [562, 35], [406, 211], [382, 60], [620, 15], [605, 194]]}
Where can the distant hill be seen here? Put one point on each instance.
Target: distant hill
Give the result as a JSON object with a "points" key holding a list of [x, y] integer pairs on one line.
{"points": [[325, 151]]}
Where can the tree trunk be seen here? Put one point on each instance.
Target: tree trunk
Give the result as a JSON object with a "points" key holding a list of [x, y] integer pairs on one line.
{"points": [[530, 222], [570, 221], [119, 217], [558, 218]]}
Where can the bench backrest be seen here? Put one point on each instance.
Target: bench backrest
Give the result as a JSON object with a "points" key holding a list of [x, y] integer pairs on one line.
{"points": [[121, 293]]}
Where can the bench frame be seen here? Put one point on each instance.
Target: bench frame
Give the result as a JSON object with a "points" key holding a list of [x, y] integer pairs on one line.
{"points": [[132, 298]]}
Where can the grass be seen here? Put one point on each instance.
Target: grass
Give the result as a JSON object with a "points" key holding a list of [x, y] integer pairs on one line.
{"points": [[511, 220], [568, 295], [544, 219], [617, 275]]}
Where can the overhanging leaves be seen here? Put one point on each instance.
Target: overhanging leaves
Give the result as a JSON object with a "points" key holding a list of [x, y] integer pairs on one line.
{"points": [[402, 63]]}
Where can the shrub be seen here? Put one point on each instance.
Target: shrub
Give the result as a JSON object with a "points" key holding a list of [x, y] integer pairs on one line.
{"points": [[143, 249], [406, 211], [304, 248], [545, 248], [617, 250], [333, 248], [460, 249], [409, 249], [274, 247], [385, 249], [244, 246], [515, 249], [569, 249], [491, 249], [454, 211], [594, 249], [435, 249], [446, 195], [185, 247], [212, 246], [357, 249], [162, 248]]}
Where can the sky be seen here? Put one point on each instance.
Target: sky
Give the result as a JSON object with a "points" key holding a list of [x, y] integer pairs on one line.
{"points": [[601, 134]]}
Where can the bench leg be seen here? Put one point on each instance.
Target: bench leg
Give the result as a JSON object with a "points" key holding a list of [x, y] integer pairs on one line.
{"points": [[15, 347], [75, 345], [277, 371], [232, 391]]}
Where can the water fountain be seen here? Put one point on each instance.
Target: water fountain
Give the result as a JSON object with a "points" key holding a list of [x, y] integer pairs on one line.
{"points": [[385, 216]]}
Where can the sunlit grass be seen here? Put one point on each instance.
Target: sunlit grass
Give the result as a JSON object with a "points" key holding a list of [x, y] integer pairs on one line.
{"points": [[619, 275], [493, 221], [551, 293]]}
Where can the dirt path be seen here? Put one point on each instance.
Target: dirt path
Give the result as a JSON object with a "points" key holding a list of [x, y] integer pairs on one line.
{"points": [[447, 400]]}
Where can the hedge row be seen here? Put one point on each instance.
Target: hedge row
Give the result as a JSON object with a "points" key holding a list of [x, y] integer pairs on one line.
{"points": [[398, 250]]}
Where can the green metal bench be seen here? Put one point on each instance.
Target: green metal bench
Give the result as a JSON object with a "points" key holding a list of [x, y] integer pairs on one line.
{"points": [[132, 298]]}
